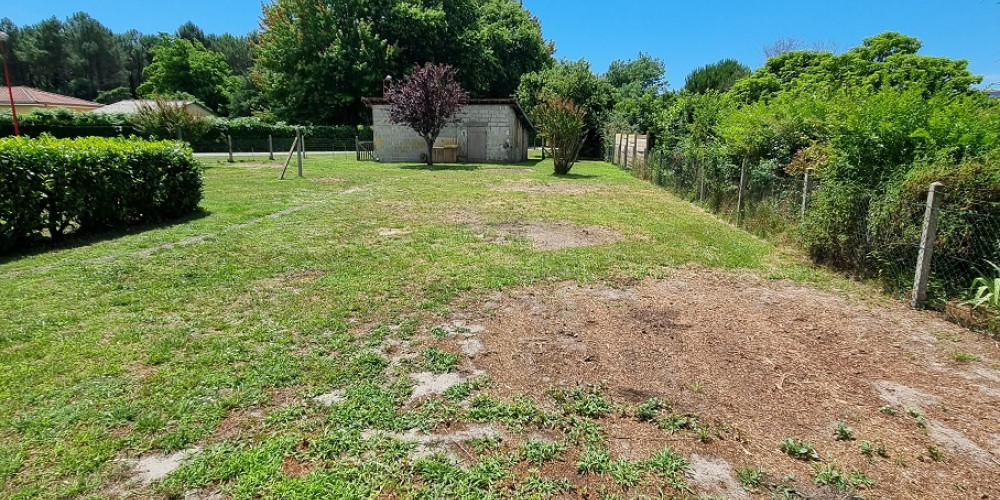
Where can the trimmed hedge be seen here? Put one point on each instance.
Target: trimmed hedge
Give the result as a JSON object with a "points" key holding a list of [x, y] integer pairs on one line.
{"points": [[49, 186], [250, 133]]}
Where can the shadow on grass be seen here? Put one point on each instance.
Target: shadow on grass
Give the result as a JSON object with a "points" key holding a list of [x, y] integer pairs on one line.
{"points": [[469, 167], [576, 176], [77, 240]]}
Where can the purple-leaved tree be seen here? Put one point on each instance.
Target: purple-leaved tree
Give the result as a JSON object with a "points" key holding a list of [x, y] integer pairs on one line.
{"points": [[427, 101]]}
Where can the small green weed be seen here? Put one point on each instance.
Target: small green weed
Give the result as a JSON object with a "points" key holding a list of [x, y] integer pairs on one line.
{"points": [[540, 487], [650, 410], [887, 410], [485, 444], [676, 423], [439, 332], [844, 432], [539, 451], [830, 475], [462, 391], [965, 357], [584, 401], [935, 454], [624, 472], [439, 361], [593, 461], [750, 478], [802, 450], [515, 415]]}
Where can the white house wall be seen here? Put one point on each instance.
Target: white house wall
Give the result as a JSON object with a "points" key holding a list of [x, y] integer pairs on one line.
{"points": [[397, 143]]}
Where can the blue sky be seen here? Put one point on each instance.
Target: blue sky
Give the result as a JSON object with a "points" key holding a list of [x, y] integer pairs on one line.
{"points": [[685, 35]]}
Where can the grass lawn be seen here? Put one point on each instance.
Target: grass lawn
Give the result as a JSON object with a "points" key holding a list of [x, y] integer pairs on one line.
{"points": [[215, 335]]}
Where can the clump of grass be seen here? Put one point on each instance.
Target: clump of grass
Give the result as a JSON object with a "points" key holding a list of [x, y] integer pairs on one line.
{"points": [[485, 444], [439, 332], [887, 410], [460, 392], [439, 361], [515, 415], [965, 357], [935, 454], [802, 450], [870, 449], [536, 486], [844, 432], [677, 423]]}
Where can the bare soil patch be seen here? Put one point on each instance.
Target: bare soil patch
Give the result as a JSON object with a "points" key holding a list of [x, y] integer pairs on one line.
{"points": [[762, 361], [549, 236]]}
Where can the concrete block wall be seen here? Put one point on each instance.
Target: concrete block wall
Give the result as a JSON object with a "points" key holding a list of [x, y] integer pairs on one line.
{"points": [[505, 135]]}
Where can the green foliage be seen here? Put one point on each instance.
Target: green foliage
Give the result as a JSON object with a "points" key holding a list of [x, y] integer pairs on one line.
{"points": [[539, 451], [802, 450], [163, 119], [717, 77], [316, 60], [844, 432], [439, 361], [114, 95], [583, 401], [561, 123], [182, 66], [650, 410], [571, 81], [52, 185], [830, 475], [750, 478]]}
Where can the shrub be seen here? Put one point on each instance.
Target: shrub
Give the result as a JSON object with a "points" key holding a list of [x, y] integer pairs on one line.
{"points": [[561, 122], [163, 119], [49, 186]]}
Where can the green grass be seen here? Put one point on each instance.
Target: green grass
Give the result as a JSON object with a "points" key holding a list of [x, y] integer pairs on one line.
{"points": [[108, 353]]}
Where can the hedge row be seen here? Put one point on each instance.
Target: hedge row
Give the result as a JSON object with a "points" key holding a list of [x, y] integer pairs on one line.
{"points": [[49, 186], [62, 123]]}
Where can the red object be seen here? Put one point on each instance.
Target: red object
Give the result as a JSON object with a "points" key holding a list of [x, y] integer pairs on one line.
{"points": [[10, 90]]}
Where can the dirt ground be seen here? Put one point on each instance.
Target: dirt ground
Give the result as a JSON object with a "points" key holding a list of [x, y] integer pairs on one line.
{"points": [[762, 361]]}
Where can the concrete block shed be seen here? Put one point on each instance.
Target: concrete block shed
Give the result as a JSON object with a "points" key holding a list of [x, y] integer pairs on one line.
{"points": [[485, 131]]}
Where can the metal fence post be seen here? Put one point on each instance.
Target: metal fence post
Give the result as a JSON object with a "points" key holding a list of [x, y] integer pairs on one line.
{"points": [[270, 147], [805, 192], [701, 175], [741, 198], [927, 246], [229, 141]]}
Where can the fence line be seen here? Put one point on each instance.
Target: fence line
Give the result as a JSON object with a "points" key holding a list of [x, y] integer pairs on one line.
{"points": [[768, 202]]}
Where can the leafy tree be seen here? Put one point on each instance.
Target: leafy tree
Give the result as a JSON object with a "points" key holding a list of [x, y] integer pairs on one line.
{"points": [[642, 74], [719, 77], [427, 101], [114, 95], [512, 45], [636, 91], [42, 47], [180, 65], [561, 123], [192, 33], [574, 81], [236, 49], [95, 58]]}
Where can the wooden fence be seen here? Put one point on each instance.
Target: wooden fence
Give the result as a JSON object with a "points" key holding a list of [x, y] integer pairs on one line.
{"points": [[631, 151]]}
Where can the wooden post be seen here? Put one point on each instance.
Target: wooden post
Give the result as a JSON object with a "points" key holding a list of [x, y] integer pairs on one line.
{"points": [[229, 140], [805, 191], [303, 145], [270, 147], [294, 148], [357, 148], [927, 246], [299, 139], [741, 198]]}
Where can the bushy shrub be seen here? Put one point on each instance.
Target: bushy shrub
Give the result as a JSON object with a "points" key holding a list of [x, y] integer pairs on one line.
{"points": [[49, 186], [561, 123]]}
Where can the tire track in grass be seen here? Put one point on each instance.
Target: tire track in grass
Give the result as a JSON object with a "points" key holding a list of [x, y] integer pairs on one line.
{"points": [[193, 240]]}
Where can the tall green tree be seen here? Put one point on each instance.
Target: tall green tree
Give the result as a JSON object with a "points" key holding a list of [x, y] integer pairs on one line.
{"points": [[182, 66], [95, 59], [718, 77], [574, 81], [315, 60]]}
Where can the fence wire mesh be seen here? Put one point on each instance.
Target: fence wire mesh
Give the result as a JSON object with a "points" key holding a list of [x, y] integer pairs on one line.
{"points": [[884, 240]]}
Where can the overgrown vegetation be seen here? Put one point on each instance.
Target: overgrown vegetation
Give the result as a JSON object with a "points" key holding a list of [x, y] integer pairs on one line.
{"points": [[561, 124]]}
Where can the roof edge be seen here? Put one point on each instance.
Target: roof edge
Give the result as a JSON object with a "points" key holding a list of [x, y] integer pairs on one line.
{"points": [[509, 101]]}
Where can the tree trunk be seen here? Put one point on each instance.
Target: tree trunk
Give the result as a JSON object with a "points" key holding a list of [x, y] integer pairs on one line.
{"points": [[430, 150]]}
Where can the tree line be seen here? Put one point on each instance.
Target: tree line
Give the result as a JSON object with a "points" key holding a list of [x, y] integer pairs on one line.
{"points": [[309, 62]]}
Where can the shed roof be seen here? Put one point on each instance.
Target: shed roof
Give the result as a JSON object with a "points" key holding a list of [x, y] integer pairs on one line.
{"points": [[133, 106], [511, 102], [33, 97]]}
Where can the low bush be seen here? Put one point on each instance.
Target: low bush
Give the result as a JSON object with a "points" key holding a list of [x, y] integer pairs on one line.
{"points": [[50, 186]]}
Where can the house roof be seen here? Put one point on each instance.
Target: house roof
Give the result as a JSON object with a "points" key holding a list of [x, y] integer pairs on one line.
{"points": [[514, 103], [132, 106], [34, 97]]}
